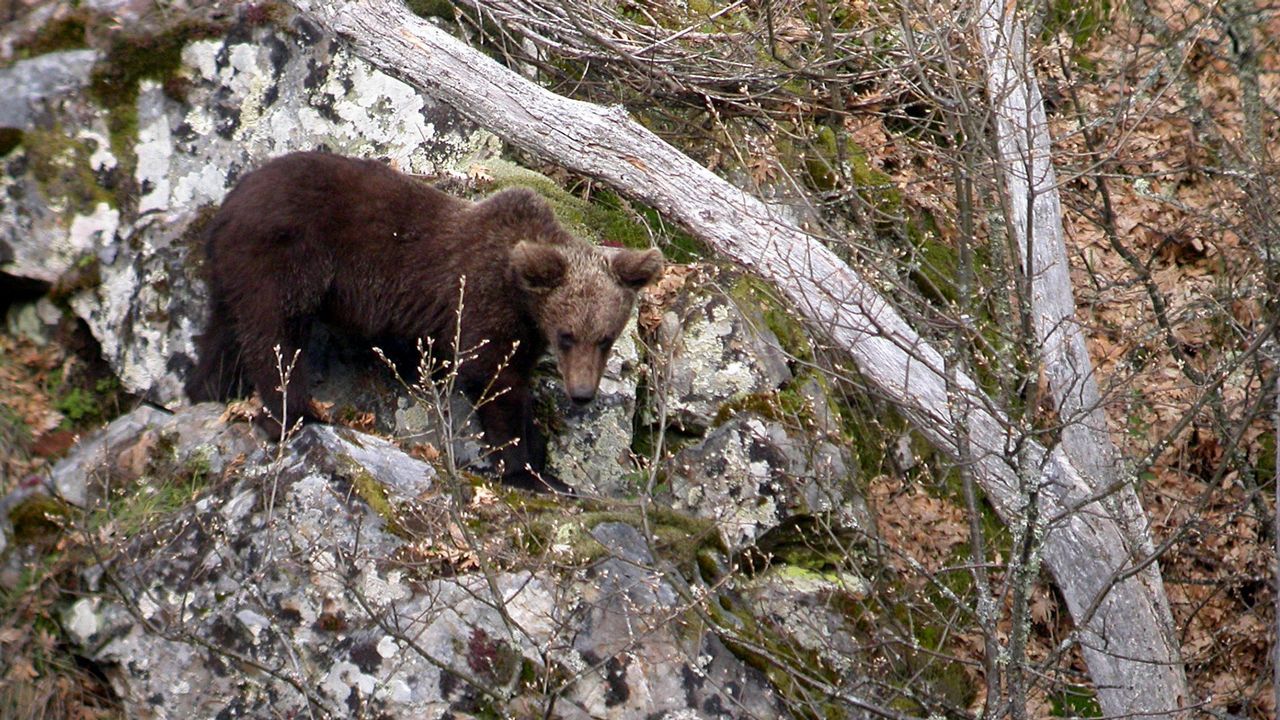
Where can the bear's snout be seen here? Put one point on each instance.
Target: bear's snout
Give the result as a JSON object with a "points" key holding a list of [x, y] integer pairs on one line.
{"points": [[581, 374]]}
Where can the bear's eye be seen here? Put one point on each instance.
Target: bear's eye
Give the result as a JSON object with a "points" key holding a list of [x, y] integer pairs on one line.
{"points": [[565, 340], [605, 343]]}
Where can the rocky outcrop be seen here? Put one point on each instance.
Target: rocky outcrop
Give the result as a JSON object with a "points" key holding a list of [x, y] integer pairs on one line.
{"points": [[305, 581], [711, 349], [337, 573]]}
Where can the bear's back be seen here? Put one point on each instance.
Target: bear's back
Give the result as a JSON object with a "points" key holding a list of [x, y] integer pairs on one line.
{"points": [[328, 202]]}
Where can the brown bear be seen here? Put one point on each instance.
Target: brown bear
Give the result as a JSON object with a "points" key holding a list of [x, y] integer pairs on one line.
{"points": [[379, 255]]}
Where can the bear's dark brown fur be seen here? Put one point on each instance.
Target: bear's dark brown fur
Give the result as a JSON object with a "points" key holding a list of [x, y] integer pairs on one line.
{"points": [[376, 254]]}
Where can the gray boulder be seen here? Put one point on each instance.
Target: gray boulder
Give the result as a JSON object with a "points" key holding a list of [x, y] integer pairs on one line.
{"points": [[753, 472], [591, 446], [296, 583], [31, 86]]}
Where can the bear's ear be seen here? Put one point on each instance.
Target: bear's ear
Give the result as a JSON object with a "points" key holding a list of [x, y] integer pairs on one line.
{"points": [[538, 267], [635, 268]]}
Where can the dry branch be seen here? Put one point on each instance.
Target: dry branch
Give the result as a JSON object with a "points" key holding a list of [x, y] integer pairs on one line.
{"points": [[1124, 641]]}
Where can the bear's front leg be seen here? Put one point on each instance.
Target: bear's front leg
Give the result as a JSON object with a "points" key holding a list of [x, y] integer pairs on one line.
{"points": [[506, 415]]}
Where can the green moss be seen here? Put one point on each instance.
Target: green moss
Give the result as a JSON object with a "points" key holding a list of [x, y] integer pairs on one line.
{"points": [[431, 8], [618, 222], [753, 294], [1078, 20], [78, 404], [809, 543], [372, 492], [1266, 466], [1076, 702], [568, 539], [62, 166], [760, 647], [38, 519], [677, 537], [168, 485], [10, 138], [789, 405], [64, 33], [765, 405], [606, 218], [84, 274], [570, 210]]}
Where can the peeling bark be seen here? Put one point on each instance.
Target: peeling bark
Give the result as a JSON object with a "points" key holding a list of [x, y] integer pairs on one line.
{"points": [[1084, 546]]}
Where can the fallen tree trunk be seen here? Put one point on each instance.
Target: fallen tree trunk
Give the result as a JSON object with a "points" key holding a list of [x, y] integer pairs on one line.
{"points": [[1123, 639]]}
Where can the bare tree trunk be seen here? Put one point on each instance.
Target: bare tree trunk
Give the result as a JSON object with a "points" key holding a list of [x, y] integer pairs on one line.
{"points": [[1030, 186], [1083, 546]]}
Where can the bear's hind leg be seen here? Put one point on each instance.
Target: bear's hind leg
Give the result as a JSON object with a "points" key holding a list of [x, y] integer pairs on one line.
{"points": [[218, 374], [274, 359]]}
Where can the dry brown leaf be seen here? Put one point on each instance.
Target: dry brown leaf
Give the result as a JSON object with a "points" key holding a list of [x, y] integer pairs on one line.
{"points": [[483, 497], [322, 409], [21, 670], [427, 452], [241, 410]]}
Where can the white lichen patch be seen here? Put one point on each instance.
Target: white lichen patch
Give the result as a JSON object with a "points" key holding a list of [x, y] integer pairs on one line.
{"points": [[712, 356], [344, 678], [89, 232], [154, 152], [253, 622], [720, 480], [381, 591], [81, 620], [388, 647], [396, 691], [101, 159]]}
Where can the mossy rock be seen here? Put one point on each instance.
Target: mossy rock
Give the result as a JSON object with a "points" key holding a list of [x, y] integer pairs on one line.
{"points": [[131, 58], [677, 537], [756, 295], [63, 33], [62, 166], [606, 219], [39, 519], [10, 138]]}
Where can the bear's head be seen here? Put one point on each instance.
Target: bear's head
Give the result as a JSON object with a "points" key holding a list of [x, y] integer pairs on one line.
{"points": [[583, 296]]}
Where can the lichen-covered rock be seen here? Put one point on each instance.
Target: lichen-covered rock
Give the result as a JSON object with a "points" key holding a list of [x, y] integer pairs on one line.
{"points": [[36, 321], [255, 578], [147, 306], [647, 653], [53, 213], [753, 472], [122, 452], [290, 586], [710, 350], [246, 98], [802, 609]]}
